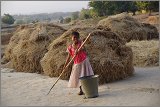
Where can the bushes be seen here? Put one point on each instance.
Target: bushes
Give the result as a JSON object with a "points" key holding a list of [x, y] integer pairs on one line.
{"points": [[67, 20], [8, 19]]}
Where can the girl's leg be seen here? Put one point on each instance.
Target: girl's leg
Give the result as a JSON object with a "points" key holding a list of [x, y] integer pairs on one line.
{"points": [[81, 91]]}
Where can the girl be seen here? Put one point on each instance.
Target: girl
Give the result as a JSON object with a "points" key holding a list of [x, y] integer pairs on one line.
{"points": [[81, 65]]}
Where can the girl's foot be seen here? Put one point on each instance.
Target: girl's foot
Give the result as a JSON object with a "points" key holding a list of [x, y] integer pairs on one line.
{"points": [[81, 93]]}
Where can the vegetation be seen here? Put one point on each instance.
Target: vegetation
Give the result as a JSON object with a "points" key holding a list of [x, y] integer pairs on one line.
{"points": [[104, 8], [67, 20], [75, 15], [148, 6], [8, 19], [96, 9], [61, 19], [85, 14]]}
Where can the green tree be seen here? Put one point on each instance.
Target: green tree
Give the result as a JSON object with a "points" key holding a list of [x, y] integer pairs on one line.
{"points": [[93, 13], [103, 8], [123, 6], [75, 15], [85, 14], [148, 5], [8, 19], [61, 19], [133, 8], [67, 20], [99, 7], [155, 5]]}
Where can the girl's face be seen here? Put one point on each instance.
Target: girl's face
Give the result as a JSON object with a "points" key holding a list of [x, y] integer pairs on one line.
{"points": [[74, 39]]}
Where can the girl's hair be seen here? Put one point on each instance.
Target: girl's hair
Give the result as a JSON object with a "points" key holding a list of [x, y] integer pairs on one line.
{"points": [[75, 34]]}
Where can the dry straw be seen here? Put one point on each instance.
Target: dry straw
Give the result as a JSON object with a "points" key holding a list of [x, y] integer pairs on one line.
{"points": [[145, 53], [129, 28], [42, 47], [29, 44], [109, 56]]}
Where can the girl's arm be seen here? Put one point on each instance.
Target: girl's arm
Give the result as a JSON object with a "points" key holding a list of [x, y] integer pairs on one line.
{"points": [[67, 60], [82, 49]]}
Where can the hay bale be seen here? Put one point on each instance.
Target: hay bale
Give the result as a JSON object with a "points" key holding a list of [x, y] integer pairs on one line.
{"points": [[5, 37], [152, 31], [109, 56], [145, 53], [126, 26], [153, 19], [29, 44]]}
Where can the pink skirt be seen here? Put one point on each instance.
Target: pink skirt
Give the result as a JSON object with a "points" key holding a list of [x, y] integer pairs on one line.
{"points": [[79, 70]]}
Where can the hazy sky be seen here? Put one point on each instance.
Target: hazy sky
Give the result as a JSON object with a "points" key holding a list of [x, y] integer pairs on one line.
{"points": [[32, 7]]}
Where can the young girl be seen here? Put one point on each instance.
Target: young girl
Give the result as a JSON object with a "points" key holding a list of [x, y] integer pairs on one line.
{"points": [[81, 65]]}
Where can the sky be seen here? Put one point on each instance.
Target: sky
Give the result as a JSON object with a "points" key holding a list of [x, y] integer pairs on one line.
{"points": [[34, 7]]}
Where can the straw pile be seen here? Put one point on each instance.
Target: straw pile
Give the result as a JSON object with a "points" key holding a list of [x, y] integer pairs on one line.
{"points": [[5, 37], [29, 44], [6, 33], [152, 31], [153, 19], [145, 53], [128, 27], [82, 23], [109, 56]]}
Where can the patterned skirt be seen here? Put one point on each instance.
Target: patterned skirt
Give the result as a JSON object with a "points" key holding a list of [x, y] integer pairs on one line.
{"points": [[79, 70]]}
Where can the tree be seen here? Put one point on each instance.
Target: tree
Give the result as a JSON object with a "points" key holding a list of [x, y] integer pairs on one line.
{"points": [[75, 15], [93, 13], [123, 6], [152, 6], [99, 7], [8, 19], [155, 5], [67, 20], [133, 8], [61, 19], [85, 14], [104, 8], [148, 5]]}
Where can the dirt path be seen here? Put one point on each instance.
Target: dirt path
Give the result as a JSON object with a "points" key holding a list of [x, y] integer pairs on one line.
{"points": [[28, 89]]}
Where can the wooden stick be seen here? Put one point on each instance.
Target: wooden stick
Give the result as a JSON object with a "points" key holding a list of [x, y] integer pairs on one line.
{"points": [[69, 63]]}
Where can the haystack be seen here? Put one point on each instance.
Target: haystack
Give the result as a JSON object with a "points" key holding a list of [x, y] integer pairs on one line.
{"points": [[153, 19], [145, 53], [109, 56], [127, 27], [29, 44], [152, 31], [5, 37]]}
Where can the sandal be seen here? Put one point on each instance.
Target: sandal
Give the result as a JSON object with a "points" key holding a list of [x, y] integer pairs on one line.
{"points": [[81, 93]]}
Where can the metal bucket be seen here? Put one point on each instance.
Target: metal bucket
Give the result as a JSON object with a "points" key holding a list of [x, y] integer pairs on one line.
{"points": [[90, 86]]}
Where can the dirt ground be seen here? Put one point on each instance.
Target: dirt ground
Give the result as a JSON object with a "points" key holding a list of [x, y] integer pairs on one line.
{"points": [[30, 89]]}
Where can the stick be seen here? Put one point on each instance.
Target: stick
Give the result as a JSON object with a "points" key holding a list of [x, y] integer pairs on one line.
{"points": [[68, 63]]}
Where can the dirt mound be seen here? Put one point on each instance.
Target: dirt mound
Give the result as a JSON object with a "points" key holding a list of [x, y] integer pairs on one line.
{"points": [[109, 56], [29, 44], [127, 27], [145, 53]]}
